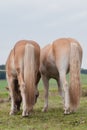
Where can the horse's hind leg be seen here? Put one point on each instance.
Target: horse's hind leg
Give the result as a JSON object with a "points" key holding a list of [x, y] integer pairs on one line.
{"points": [[12, 95], [60, 91], [46, 87], [65, 93], [18, 98], [23, 94]]}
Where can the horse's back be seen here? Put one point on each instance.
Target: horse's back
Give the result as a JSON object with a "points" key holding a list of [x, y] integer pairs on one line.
{"points": [[65, 43], [22, 43]]}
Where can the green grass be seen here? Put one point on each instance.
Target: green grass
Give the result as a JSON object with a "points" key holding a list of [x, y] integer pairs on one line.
{"points": [[54, 119], [3, 91]]}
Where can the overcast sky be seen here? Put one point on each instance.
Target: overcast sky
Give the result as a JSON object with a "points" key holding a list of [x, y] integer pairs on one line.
{"points": [[42, 21]]}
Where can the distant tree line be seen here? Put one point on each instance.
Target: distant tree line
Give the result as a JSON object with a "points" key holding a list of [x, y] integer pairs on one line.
{"points": [[3, 73], [83, 71]]}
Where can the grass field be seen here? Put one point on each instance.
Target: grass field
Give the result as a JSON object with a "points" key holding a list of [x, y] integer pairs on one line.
{"points": [[54, 119]]}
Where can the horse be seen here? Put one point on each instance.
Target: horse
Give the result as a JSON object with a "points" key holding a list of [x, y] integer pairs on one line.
{"points": [[64, 55], [22, 68]]}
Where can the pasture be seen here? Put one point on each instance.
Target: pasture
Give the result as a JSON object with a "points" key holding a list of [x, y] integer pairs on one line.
{"points": [[54, 119]]}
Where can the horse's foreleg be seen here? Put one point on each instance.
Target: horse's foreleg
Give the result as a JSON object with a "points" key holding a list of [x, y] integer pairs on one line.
{"points": [[46, 87], [65, 87]]}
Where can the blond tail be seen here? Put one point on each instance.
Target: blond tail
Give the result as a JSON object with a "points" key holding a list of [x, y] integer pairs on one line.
{"points": [[75, 85], [29, 74]]}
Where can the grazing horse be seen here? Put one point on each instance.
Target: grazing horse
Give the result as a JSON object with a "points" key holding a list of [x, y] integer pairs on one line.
{"points": [[22, 69], [57, 59]]}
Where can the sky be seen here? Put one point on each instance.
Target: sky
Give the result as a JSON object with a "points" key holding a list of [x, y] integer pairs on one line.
{"points": [[42, 21]]}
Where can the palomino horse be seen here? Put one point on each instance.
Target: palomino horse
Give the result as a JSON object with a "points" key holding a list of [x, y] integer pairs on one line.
{"points": [[22, 69], [57, 59]]}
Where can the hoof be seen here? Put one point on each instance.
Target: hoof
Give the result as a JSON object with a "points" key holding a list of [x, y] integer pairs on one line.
{"points": [[25, 114], [12, 113], [44, 110], [67, 111]]}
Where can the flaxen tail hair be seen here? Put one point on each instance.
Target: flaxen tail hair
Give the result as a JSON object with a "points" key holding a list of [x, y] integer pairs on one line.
{"points": [[75, 85], [29, 74]]}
